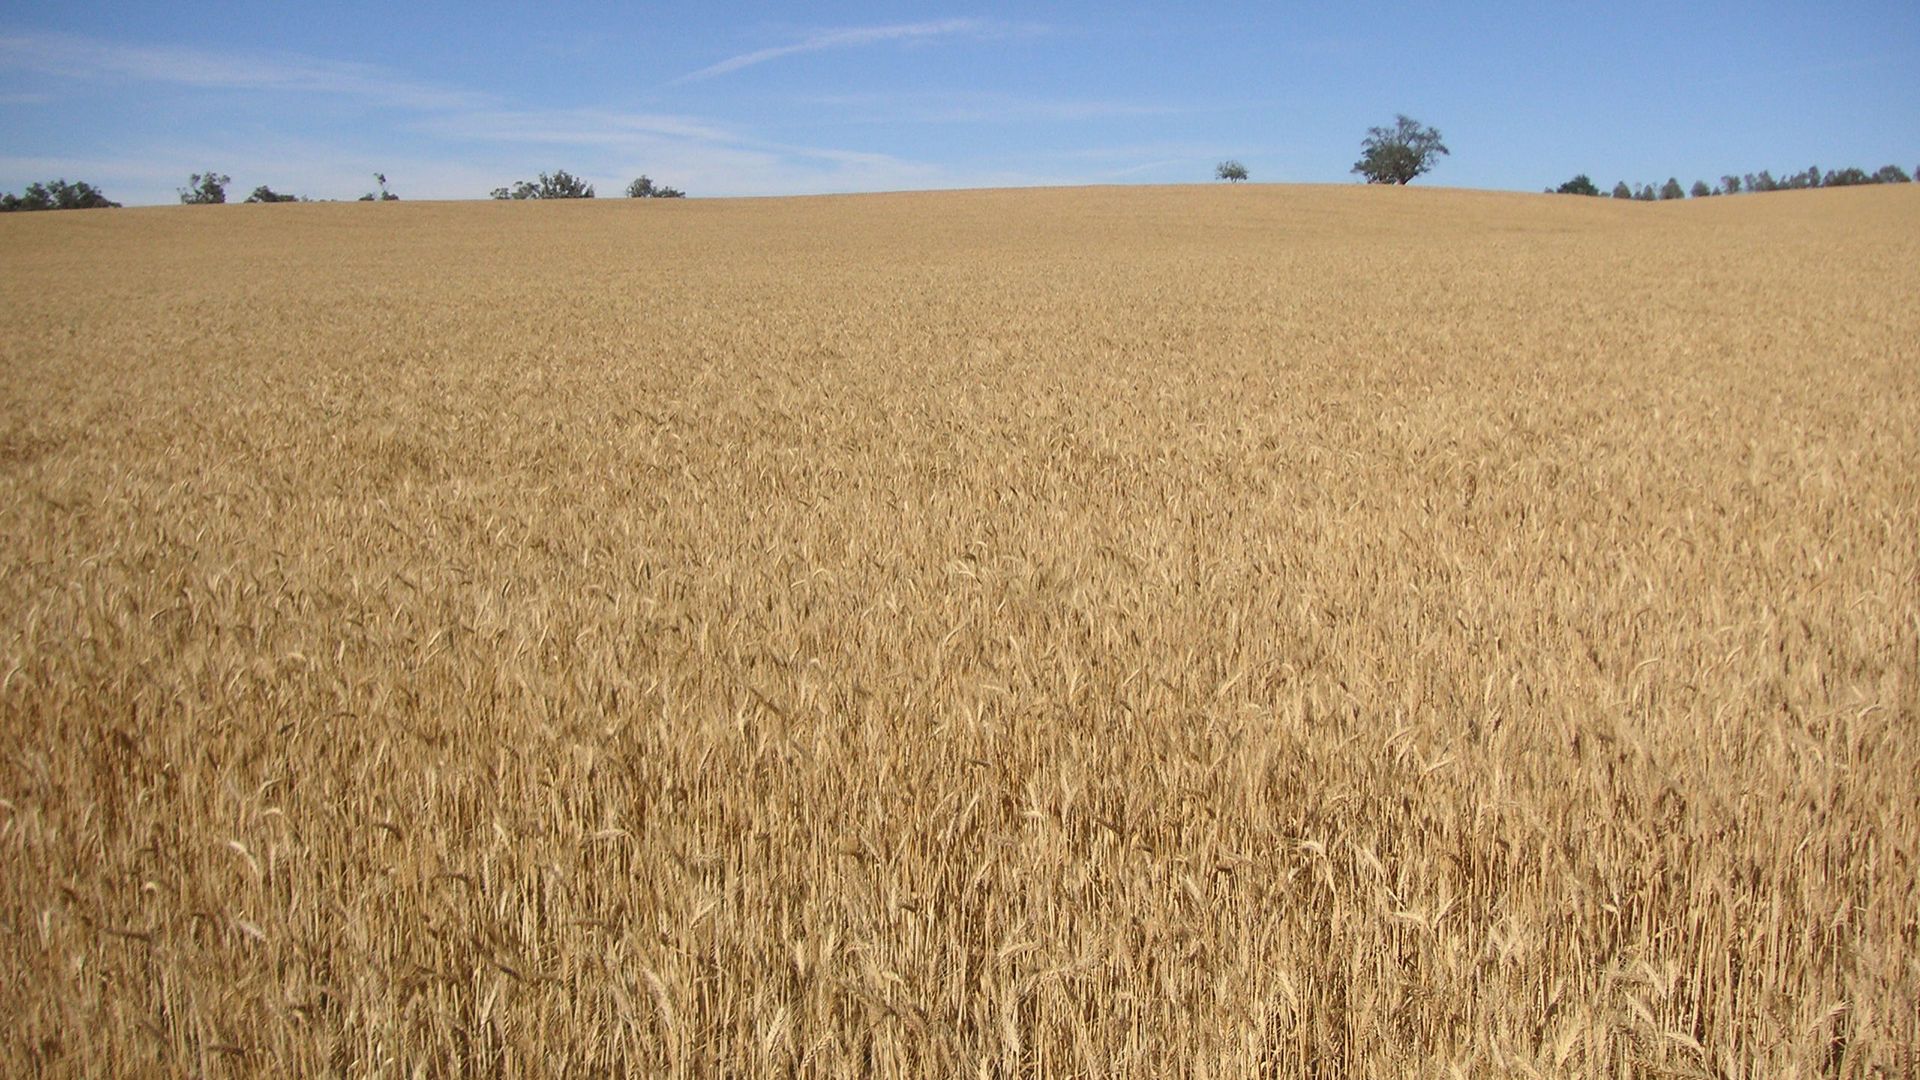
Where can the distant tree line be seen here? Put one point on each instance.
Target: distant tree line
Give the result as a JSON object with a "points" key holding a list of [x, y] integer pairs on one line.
{"points": [[1731, 184], [56, 195], [1392, 156], [565, 185], [560, 185], [210, 189]]}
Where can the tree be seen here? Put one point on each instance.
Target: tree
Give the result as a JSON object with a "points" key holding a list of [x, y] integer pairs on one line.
{"points": [[1672, 189], [1231, 171], [1891, 174], [1730, 184], [56, 195], [1700, 189], [645, 188], [1622, 191], [384, 195], [265, 194], [1848, 177], [1397, 154], [560, 185], [1579, 185], [205, 189]]}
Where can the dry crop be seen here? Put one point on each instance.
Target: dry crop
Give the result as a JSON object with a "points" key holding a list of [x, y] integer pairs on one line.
{"points": [[1283, 631]]}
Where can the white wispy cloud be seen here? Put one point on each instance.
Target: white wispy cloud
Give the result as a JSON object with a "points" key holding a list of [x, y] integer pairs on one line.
{"points": [[847, 38], [977, 107], [1147, 167], [450, 142], [75, 57], [609, 147], [570, 127], [1157, 151], [153, 171]]}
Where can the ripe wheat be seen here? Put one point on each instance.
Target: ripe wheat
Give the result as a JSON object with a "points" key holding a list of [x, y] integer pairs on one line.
{"points": [[1255, 631]]}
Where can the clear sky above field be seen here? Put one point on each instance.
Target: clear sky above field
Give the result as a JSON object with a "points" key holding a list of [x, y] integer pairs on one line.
{"points": [[450, 100]]}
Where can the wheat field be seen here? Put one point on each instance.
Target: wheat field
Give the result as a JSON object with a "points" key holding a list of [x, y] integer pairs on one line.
{"points": [[1253, 631]]}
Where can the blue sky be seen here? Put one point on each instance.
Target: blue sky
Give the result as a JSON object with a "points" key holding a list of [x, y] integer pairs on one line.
{"points": [[450, 100]]}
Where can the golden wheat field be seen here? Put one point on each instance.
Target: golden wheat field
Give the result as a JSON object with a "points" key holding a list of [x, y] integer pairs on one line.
{"points": [[1279, 631]]}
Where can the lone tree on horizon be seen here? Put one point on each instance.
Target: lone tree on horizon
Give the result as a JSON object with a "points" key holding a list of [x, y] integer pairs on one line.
{"points": [[384, 195], [1397, 154], [1231, 171], [645, 188], [205, 189]]}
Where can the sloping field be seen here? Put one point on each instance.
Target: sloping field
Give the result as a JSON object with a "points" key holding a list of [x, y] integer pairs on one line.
{"points": [[1180, 631]]}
